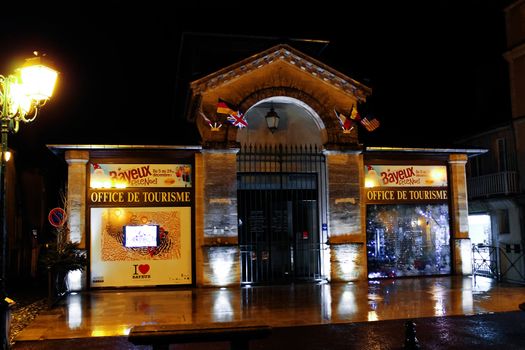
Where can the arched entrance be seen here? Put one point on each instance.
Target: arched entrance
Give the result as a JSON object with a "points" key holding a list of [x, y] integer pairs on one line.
{"points": [[281, 179]]}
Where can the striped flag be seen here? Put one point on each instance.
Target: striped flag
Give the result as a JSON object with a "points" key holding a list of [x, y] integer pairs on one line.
{"points": [[354, 115], [224, 107], [370, 125], [346, 123]]}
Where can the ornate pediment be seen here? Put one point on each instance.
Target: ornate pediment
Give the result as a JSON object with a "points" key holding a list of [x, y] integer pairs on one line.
{"points": [[278, 71]]}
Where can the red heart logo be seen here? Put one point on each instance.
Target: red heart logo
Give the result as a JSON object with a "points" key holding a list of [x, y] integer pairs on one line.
{"points": [[144, 268]]}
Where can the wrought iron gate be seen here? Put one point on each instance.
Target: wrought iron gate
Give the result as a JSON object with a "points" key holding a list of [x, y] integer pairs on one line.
{"points": [[505, 263], [281, 204]]}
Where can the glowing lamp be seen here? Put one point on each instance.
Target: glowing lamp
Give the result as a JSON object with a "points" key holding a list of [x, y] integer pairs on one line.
{"points": [[38, 80], [272, 120]]}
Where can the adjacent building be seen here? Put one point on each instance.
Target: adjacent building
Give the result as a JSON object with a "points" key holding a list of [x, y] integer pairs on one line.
{"points": [[496, 179]]}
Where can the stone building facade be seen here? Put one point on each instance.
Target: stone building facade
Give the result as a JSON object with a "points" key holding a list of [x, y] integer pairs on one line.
{"points": [[271, 206]]}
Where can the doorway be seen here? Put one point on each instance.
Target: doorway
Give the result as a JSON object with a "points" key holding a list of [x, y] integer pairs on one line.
{"points": [[279, 215]]}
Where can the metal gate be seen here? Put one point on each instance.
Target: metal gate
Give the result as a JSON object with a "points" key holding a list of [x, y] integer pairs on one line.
{"points": [[505, 263], [281, 204]]}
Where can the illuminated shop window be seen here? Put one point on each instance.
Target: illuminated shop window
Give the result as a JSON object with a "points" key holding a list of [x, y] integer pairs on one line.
{"points": [[408, 240]]}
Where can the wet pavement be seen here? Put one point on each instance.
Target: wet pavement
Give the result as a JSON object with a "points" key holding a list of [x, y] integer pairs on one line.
{"points": [[449, 312]]}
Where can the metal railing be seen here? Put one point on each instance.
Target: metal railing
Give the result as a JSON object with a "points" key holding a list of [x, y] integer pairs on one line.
{"points": [[505, 263], [504, 182]]}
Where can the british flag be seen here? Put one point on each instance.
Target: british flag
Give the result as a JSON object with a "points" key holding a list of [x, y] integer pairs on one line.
{"points": [[237, 119]]}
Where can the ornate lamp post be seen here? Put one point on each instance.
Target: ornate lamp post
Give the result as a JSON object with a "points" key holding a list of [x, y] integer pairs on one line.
{"points": [[21, 96]]}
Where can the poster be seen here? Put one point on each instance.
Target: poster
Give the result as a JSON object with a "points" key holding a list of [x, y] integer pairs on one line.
{"points": [[139, 175], [115, 265], [405, 176]]}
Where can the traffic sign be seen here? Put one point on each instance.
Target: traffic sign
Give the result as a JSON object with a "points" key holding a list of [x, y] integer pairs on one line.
{"points": [[57, 217]]}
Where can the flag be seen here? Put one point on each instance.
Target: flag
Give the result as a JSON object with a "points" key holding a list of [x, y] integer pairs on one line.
{"points": [[370, 125], [354, 115], [213, 126], [237, 119], [346, 123], [224, 107], [235, 116]]}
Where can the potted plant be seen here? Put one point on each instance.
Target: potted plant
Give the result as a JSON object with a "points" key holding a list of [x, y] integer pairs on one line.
{"points": [[61, 257]]}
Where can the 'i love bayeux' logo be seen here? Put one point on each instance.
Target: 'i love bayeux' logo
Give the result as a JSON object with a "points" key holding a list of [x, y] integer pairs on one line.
{"points": [[141, 271]]}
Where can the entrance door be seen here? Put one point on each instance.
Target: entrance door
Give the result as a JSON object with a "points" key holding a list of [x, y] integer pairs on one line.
{"points": [[484, 259], [278, 228]]}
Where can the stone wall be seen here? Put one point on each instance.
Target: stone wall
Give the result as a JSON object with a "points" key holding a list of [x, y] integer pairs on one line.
{"points": [[347, 239], [216, 236], [461, 247]]}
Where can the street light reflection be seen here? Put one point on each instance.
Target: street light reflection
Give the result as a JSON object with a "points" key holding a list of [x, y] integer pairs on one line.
{"points": [[222, 307], [74, 312], [347, 304]]}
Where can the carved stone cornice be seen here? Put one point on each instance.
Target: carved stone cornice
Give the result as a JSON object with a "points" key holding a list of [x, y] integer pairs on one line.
{"points": [[289, 55]]}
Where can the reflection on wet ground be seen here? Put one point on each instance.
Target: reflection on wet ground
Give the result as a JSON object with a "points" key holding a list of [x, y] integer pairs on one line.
{"points": [[114, 312]]}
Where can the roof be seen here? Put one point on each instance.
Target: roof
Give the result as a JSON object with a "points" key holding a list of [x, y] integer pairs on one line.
{"points": [[286, 54]]}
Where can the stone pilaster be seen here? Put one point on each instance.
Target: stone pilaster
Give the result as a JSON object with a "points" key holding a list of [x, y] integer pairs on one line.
{"points": [[76, 195], [217, 250], [346, 218], [461, 249], [199, 217]]}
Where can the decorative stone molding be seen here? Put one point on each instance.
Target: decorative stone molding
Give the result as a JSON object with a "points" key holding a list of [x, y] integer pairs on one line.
{"points": [[291, 56]]}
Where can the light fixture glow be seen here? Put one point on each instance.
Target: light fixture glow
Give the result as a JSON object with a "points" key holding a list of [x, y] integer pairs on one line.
{"points": [[38, 80], [272, 120]]}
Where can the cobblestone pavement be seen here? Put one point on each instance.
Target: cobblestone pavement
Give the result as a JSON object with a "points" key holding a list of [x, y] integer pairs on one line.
{"points": [[22, 313], [30, 299]]}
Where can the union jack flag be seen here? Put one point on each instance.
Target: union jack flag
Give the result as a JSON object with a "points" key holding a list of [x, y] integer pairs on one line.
{"points": [[237, 119]]}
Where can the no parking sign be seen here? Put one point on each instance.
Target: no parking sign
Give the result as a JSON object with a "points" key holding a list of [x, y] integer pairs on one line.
{"points": [[57, 217]]}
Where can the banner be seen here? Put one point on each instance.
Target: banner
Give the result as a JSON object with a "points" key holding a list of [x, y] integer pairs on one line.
{"points": [[140, 175], [405, 176]]}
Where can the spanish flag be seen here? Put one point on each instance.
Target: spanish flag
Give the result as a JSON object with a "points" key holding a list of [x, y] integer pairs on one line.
{"points": [[224, 107], [354, 115]]}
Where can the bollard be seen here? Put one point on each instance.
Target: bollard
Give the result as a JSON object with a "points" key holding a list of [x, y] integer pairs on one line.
{"points": [[411, 342]]}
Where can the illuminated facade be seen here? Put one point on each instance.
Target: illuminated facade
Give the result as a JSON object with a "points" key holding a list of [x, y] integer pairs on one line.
{"points": [[303, 201]]}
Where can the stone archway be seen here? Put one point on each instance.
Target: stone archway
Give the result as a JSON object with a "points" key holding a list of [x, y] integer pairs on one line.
{"points": [[298, 123]]}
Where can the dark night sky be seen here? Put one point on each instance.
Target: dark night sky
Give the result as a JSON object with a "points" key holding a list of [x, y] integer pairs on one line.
{"points": [[436, 68]]}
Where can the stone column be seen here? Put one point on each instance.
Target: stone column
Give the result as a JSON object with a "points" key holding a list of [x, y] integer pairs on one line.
{"points": [[216, 235], [346, 219], [461, 247], [76, 195]]}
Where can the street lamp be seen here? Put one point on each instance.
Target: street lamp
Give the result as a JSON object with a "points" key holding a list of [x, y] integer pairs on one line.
{"points": [[21, 96]]}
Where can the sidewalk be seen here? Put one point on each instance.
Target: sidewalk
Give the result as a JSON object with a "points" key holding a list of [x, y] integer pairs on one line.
{"points": [[107, 316]]}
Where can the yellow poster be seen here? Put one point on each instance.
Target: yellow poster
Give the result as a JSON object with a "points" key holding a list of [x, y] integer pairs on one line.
{"points": [[140, 246]]}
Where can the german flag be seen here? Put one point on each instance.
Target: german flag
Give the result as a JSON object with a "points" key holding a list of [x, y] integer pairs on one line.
{"points": [[224, 107]]}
